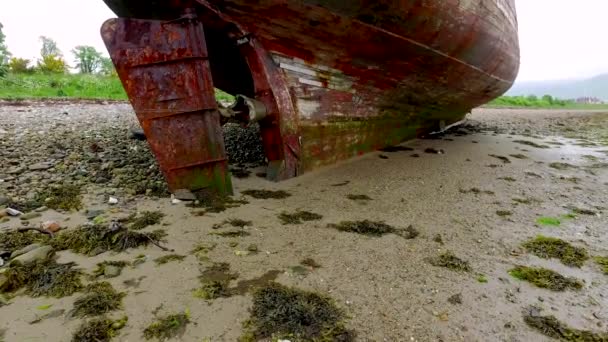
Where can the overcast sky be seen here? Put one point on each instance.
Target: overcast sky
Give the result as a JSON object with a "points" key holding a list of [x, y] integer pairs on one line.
{"points": [[559, 39]]}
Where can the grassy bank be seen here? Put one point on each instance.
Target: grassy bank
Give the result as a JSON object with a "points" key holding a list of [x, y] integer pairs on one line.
{"points": [[541, 102], [67, 86]]}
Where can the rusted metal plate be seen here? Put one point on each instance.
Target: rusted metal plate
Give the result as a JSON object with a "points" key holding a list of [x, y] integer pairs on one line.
{"points": [[165, 70]]}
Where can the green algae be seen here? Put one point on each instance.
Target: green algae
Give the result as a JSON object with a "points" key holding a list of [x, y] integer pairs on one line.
{"points": [[603, 262], [266, 194], [96, 239], [279, 311], [65, 197], [100, 268], [169, 258], [47, 278], [98, 299], [167, 327], [98, 330], [548, 247], [552, 327], [365, 227], [450, 261], [298, 217], [504, 213], [548, 221], [145, 219], [545, 278], [14, 240]]}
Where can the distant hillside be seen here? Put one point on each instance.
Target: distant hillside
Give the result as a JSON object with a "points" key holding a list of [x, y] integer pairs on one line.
{"points": [[566, 89]]}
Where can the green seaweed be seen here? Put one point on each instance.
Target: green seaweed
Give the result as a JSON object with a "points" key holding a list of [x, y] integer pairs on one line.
{"points": [[215, 281], [548, 247], [476, 191], [47, 278], [504, 213], [450, 261], [213, 202], [168, 326], [231, 233], [92, 240], [545, 278], [548, 221], [552, 327], [561, 166], [98, 330], [582, 211], [518, 156], [14, 240], [354, 197], [98, 299], [266, 194], [603, 262], [100, 269], [279, 311], [64, 197], [169, 258], [145, 219], [310, 262], [365, 227], [298, 217], [202, 249], [503, 159]]}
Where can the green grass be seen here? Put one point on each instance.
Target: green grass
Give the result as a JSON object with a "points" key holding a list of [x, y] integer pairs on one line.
{"points": [[541, 102], [74, 86], [69, 86]]}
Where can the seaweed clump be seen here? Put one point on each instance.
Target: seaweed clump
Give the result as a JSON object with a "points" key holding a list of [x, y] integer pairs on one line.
{"points": [[266, 194], [530, 143], [47, 278], [168, 326], [213, 202], [169, 258], [545, 278], [102, 268], [298, 217], [99, 330], [96, 239], [603, 262], [145, 219], [353, 197], [234, 222], [503, 159], [449, 260], [14, 240], [476, 191], [65, 197], [548, 247], [282, 312], [215, 281], [98, 299], [365, 227], [552, 327]]}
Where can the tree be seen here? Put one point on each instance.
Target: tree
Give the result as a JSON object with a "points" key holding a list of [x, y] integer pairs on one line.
{"points": [[19, 65], [107, 67], [87, 59], [548, 99], [52, 60], [4, 54], [49, 47]]}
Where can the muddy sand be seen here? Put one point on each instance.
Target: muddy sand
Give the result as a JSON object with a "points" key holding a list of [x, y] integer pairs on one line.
{"points": [[501, 179]]}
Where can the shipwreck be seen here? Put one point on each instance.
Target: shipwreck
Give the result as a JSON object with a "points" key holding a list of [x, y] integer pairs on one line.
{"points": [[325, 80]]}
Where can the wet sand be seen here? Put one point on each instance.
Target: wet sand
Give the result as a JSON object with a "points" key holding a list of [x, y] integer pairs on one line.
{"points": [[387, 286]]}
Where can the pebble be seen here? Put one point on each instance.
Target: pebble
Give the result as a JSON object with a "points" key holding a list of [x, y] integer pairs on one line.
{"points": [[25, 250], [13, 212], [50, 226], [184, 195], [40, 166], [30, 216], [113, 200], [33, 256]]}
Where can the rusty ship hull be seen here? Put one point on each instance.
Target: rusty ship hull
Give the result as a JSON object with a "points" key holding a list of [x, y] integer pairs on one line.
{"points": [[335, 79]]}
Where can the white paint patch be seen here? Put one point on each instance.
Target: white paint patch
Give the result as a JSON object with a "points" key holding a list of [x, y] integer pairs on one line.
{"points": [[300, 69], [310, 82], [307, 108]]}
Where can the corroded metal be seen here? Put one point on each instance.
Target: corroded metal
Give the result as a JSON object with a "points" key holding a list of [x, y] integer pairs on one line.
{"points": [[341, 78], [165, 70]]}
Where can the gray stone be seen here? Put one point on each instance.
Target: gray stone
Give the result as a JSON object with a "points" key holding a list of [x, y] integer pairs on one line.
{"points": [[40, 166], [110, 271], [25, 250], [30, 215], [93, 213], [15, 170], [34, 256], [184, 195]]}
